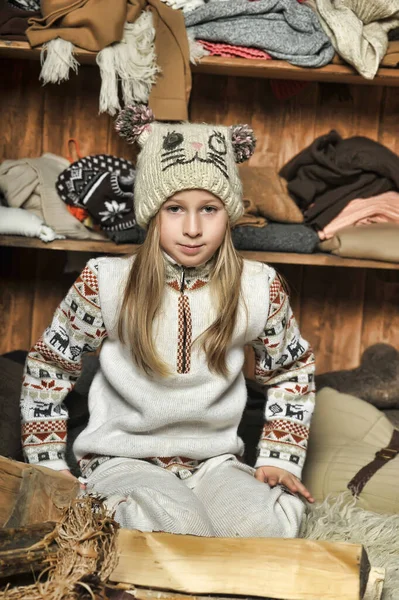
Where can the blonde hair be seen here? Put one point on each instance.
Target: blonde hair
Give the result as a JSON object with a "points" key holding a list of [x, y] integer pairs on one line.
{"points": [[143, 295]]}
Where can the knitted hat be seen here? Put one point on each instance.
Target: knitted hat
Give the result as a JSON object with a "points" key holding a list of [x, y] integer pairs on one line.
{"points": [[176, 157]]}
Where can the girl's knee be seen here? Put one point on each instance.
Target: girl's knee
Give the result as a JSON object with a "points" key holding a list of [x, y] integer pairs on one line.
{"points": [[281, 518], [193, 523], [152, 510], [289, 510]]}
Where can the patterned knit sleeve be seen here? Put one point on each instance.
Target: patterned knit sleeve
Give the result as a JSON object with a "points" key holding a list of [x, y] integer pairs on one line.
{"points": [[285, 366], [52, 367]]}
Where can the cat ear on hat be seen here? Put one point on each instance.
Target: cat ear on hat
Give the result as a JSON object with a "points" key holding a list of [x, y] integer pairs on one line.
{"points": [[133, 123], [244, 142]]}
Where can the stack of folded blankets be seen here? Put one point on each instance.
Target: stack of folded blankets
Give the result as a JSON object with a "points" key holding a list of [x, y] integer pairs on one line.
{"points": [[348, 192], [283, 29], [308, 33], [272, 222], [31, 205], [49, 198]]}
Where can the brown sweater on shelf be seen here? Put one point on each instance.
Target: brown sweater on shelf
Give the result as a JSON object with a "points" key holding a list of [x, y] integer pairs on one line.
{"points": [[95, 24]]}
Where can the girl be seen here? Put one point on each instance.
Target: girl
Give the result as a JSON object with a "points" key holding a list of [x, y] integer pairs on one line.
{"points": [[161, 444]]}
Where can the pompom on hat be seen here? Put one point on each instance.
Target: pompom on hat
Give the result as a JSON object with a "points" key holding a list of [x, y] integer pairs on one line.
{"points": [[182, 156]]}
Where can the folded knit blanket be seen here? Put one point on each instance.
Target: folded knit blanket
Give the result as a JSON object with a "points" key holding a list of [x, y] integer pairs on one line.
{"points": [[284, 29]]}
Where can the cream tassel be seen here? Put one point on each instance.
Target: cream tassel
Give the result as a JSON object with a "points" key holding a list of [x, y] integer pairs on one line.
{"points": [[133, 62], [109, 101], [56, 58], [197, 50]]}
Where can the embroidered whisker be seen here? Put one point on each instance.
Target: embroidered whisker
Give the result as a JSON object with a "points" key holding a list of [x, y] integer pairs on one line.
{"points": [[217, 158], [166, 158], [166, 152], [178, 162]]}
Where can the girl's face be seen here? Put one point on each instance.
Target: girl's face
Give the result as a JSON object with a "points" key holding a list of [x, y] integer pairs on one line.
{"points": [[192, 226]]}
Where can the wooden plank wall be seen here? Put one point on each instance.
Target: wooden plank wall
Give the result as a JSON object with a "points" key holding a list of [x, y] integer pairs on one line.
{"points": [[341, 311]]}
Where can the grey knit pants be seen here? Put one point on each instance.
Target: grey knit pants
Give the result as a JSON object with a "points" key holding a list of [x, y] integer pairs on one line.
{"points": [[221, 499]]}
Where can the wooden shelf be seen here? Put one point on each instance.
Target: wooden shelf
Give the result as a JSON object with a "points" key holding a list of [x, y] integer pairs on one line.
{"points": [[288, 258], [238, 67], [279, 69]]}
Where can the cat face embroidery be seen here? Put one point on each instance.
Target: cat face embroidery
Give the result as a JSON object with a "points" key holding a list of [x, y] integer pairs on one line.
{"points": [[176, 150]]}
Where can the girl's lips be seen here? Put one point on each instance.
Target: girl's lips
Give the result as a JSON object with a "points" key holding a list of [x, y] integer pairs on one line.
{"points": [[190, 249]]}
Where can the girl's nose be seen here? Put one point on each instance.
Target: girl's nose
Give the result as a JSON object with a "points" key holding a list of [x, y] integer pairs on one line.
{"points": [[192, 225], [197, 145]]}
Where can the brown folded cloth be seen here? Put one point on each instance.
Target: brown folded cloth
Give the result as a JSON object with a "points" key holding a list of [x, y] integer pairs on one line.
{"points": [[170, 95], [14, 21], [95, 24], [88, 24], [266, 198], [378, 241], [251, 216], [391, 58]]}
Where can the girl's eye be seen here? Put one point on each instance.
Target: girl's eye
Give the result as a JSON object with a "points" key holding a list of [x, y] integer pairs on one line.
{"points": [[209, 209], [173, 209]]}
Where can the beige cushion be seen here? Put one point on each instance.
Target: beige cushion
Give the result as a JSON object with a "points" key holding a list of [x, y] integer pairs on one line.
{"points": [[266, 191], [379, 241], [345, 434]]}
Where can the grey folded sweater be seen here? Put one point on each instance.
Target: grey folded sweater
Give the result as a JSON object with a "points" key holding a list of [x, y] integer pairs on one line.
{"points": [[276, 237], [284, 29]]}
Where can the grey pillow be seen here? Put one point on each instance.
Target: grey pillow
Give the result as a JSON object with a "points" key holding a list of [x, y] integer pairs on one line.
{"points": [[375, 380]]}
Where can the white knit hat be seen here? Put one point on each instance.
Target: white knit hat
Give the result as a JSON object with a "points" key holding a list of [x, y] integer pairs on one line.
{"points": [[177, 157]]}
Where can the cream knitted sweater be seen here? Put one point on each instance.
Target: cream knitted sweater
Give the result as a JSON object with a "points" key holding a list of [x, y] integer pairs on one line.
{"points": [[193, 413]]}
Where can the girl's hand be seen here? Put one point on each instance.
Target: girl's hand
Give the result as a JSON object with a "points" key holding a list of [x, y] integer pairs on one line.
{"points": [[275, 475], [69, 474]]}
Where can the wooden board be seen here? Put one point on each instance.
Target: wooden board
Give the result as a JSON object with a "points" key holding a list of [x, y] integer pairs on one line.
{"points": [[293, 569], [285, 258], [71, 110], [380, 321], [373, 592], [26, 549], [237, 67], [37, 118], [48, 290], [32, 494], [17, 271], [331, 316]]}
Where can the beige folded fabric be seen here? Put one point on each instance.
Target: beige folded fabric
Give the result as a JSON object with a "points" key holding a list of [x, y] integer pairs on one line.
{"points": [[267, 195], [391, 58], [378, 241], [29, 183], [345, 434], [359, 30]]}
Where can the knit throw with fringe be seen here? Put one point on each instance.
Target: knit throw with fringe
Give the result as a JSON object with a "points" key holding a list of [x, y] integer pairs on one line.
{"points": [[87, 546], [128, 68]]}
